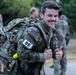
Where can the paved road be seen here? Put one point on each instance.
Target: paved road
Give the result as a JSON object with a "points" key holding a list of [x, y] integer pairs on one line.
{"points": [[71, 69]]}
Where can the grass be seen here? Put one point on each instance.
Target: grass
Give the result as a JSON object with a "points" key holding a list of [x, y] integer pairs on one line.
{"points": [[71, 58]]}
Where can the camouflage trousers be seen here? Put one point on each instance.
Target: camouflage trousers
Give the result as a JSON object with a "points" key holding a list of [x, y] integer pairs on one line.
{"points": [[60, 65]]}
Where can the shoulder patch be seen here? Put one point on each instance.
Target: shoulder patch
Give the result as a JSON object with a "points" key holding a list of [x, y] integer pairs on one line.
{"points": [[27, 44]]}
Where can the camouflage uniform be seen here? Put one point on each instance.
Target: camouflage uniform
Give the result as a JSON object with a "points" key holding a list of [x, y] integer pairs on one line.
{"points": [[68, 32], [62, 28], [31, 47]]}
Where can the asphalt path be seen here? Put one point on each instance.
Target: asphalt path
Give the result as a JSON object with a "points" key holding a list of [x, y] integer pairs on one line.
{"points": [[71, 69]]}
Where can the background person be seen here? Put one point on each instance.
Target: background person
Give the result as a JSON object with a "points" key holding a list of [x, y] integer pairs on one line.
{"points": [[62, 28]]}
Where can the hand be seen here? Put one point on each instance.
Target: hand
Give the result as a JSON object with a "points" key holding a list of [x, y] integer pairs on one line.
{"points": [[48, 53], [59, 55]]}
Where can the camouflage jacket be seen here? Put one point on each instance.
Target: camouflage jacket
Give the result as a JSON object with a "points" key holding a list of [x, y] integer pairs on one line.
{"points": [[32, 44], [62, 28]]}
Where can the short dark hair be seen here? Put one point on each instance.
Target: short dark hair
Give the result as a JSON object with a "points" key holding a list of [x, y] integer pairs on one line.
{"points": [[32, 10], [49, 4]]}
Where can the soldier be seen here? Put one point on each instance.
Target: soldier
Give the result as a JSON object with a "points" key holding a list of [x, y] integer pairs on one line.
{"points": [[62, 28], [34, 12], [38, 42], [68, 32], [34, 15]]}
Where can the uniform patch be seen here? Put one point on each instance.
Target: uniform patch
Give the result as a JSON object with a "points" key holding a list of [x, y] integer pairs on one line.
{"points": [[28, 44]]}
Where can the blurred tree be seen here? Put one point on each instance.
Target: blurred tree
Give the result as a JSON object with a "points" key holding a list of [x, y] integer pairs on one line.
{"points": [[69, 7], [19, 8], [14, 8], [38, 3]]}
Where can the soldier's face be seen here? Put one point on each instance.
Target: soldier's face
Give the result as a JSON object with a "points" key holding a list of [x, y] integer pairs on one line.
{"points": [[50, 17], [35, 13]]}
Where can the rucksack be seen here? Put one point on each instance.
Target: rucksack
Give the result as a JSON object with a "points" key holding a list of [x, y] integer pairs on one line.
{"points": [[12, 29]]}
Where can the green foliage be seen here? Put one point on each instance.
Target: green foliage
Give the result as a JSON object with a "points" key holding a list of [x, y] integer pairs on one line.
{"points": [[69, 7], [20, 8], [14, 8], [38, 3]]}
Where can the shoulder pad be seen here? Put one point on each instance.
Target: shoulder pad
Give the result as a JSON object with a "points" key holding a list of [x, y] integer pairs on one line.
{"points": [[13, 23], [33, 32], [26, 20], [40, 28]]}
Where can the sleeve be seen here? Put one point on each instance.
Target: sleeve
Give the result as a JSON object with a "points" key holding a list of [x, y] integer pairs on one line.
{"points": [[64, 27], [60, 33], [26, 44], [59, 29]]}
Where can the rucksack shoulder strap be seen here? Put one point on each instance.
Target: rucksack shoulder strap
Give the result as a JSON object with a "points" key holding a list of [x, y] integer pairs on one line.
{"points": [[41, 31]]}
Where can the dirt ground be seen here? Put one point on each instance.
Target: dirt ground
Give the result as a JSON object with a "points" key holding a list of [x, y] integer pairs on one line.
{"points": [[71, 53], [71, 48]]}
